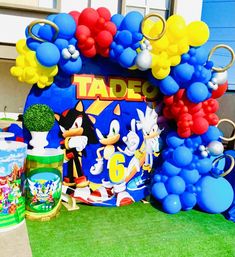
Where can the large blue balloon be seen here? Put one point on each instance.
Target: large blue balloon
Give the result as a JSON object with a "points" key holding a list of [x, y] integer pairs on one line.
{"points": [[66, 24], [216, 194], [171, 204], [183, 72], [175, 185], [132, 22], [197, 92], [127, 58], [182, 156], [48, 54], [188, 200], [170, 169], [159, 191]]}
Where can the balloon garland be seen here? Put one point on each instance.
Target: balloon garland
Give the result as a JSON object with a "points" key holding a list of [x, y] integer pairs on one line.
{"points": [[173, 55]]}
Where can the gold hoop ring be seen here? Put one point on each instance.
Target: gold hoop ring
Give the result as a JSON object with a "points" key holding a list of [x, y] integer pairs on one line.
{"points": [[52, 24], [231, 165], [231, 122], [218, 69], [163, 28]]}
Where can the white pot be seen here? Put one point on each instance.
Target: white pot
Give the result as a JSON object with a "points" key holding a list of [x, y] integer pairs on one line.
{"points": [[39, 140]]}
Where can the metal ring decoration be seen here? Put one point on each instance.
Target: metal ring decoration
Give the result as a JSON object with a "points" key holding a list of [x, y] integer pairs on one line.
{"points": [[231, 122], [52, 24], [163, 24], [231, 165], [219, 69]]}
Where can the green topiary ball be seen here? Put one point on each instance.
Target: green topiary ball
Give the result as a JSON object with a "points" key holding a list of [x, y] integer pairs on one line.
{"points": [[39, 117]]}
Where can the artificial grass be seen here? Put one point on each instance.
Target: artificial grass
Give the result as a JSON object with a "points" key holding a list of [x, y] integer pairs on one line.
{"points": [[135, 230]]}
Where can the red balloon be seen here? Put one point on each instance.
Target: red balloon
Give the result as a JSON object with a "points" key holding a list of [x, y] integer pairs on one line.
{"points": [[75, 15], [110, 26], [200, 126], [90, 52], [104, 38], [82, 31], [220, 91], [104, 13], [88, 17]]}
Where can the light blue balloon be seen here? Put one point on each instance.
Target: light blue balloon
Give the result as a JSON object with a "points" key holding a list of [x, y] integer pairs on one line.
{"points": [[216, 194]]}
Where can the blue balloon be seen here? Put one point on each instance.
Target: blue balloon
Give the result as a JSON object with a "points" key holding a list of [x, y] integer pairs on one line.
{"points": [[168, 86], [46, 32], [212, 134], [61, 43], [127, 58], [175, 185], [171, 204], [117, 19], [204, 165], [183, 72], [216, 194], [188, 201], [66, 24], [169, 169], [197, 92], [124, 38], [173, 140], [182, 156], [159, 191], [32, 44], [190, 176], [48, 54], [132, 22], [201, 55], [71, 66]]}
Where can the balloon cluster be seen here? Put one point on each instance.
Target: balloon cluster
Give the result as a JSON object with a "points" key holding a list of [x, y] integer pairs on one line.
{"points": [[127, 39], [184, 179], [94, 31], [191, 118], [176, 40], [29, 70]]}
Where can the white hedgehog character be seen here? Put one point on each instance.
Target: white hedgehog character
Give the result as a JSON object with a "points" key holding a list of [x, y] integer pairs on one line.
{"points": [[151, 132]]}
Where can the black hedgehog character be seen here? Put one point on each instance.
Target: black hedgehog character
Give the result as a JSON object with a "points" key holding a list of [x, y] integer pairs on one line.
{"points": [[77, 131]]}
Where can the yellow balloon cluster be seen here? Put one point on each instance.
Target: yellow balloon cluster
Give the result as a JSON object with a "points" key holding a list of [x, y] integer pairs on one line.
{"points": [[177, 39], [29, 70]]}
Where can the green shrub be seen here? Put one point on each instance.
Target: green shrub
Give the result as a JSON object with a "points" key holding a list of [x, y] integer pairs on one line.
{"points": [[39, 117]]}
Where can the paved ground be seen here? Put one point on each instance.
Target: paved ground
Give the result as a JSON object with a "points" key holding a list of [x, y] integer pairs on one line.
{"points": [[15, 243]]}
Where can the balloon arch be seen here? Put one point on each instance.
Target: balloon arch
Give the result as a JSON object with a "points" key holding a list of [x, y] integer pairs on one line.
{"points": [[172, 56]]}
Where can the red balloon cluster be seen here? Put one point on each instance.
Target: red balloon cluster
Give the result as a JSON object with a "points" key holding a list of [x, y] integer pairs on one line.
{"points": [[94, 31], [191, 118]]}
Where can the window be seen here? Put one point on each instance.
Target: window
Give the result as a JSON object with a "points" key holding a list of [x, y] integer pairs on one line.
{"points": [[162, 7], [49, 6]]}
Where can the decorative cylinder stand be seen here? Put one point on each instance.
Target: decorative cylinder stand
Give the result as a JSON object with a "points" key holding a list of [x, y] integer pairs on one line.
{"points": [[12, 167], [43, 184]]}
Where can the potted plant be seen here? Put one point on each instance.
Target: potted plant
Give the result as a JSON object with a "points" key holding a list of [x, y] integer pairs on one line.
{"points": [[39, 119]]}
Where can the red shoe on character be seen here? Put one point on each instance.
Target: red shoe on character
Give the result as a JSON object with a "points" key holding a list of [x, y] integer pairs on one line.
{"points": [[81, 181]]}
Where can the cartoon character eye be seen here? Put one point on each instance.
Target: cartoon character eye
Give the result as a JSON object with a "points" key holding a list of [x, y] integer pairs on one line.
{"points": [[114, 128], [154, 128], [77, 123]]}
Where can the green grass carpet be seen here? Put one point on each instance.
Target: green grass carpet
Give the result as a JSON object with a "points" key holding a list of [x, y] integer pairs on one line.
{"points": [[135, 230]]}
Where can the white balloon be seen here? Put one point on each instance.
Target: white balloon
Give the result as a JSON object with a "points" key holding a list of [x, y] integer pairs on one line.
{"points": [[215, 148], [220, 77], [144, 60]]}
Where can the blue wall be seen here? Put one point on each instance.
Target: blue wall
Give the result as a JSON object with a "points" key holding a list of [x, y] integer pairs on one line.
{"points": [[220, 17]]}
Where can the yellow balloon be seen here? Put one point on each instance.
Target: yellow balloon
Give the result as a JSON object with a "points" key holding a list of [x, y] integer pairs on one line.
{"points": [[41, 85], [31, 59], [198, 33], [173, 49], [183, 46], [21, 47], [176, 27], [160, 44], [156, 29], [161, 73], [20, 61], [134, 67], [16, 71], [148, 24], [43, 79], [50, 81], [175, 60]]}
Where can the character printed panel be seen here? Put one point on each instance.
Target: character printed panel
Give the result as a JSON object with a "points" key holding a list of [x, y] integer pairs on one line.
{"points": [[111, 146], [12, 171]]}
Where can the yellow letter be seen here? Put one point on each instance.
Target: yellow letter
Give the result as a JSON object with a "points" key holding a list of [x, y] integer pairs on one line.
{"points": [[98, 87], [150, 92], [134, 90], [117, 88], [116, 168], [81, 83]]}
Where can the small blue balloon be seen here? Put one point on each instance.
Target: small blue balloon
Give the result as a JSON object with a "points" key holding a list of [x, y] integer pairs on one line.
{"points": [[47, 54], [32, 44], [124, 38], [168, 86], [183, 72], [197, 92], [171, 204], [216, 194], [66, 24], [189, 176], [173, 140], [127, 58], [175, 185], [61, 43], [188, 201], [46, 32], [204, 165], [159, 191], [182, 156], [212, 134], [169, 169], [71, 67]]}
